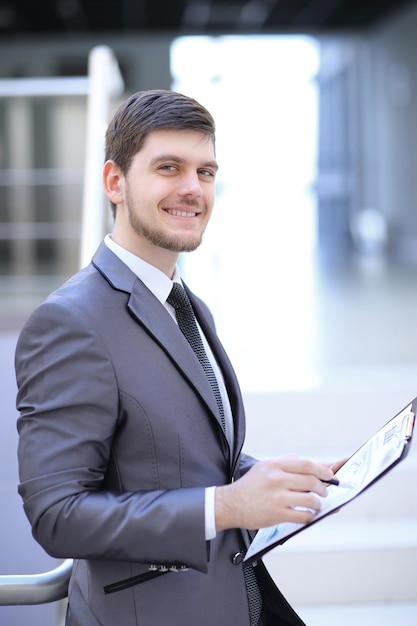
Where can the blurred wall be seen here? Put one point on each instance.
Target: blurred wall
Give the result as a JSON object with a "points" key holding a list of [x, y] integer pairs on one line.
{"points": [[368, 136]]}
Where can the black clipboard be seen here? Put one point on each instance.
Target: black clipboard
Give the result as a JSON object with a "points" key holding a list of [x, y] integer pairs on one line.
{"points": [[383, 451]]}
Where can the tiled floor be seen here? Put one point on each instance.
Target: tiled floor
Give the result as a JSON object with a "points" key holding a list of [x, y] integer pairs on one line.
{"points": [[360, 615]]}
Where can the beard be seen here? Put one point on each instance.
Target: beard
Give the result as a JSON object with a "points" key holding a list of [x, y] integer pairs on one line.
{"points": [[158, 237]]}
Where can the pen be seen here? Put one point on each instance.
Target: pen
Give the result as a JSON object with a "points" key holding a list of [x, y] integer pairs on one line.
{"points": [[332, 481]]}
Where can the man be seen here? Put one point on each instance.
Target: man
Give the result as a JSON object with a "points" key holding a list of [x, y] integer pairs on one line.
{"points": [[128, 463]]}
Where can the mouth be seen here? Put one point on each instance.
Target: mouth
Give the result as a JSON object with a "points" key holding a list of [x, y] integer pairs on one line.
{"points": [[181, 213]]}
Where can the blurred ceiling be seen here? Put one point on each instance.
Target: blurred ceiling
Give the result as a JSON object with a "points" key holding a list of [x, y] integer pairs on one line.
{"points": [[34, 17]]}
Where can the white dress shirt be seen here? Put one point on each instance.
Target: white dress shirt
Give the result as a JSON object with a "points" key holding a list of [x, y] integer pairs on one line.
{"points": [[160, 285]]}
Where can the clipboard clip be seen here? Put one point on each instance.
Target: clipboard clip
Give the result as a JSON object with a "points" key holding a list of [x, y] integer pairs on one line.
{"points": [[410, 426]]}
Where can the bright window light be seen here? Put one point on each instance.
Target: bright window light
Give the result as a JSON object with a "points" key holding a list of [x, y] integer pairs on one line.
{"points": [[255, 267]]}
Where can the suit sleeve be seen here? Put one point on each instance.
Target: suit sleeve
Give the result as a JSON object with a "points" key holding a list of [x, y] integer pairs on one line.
{"points": [[246, 462], [68, 403]]}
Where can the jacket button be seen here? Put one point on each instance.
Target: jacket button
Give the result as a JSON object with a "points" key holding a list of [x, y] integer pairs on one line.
{"points": [[237, 558]]}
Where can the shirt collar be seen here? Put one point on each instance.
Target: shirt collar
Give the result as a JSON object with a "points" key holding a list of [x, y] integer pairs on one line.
{"points": [[155, 280]]}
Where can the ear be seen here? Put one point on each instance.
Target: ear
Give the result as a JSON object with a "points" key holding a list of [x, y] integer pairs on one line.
{"points": [[113, 182]]}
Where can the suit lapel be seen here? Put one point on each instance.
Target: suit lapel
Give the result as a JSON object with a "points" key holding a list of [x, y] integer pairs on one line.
{"points": [[152, 316]]}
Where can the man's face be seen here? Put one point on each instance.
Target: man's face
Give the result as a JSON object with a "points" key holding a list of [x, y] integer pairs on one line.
{"points": [[168, 191]]}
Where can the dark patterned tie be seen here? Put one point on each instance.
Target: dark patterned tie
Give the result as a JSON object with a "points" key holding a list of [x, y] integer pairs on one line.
{"points": [[254, 594], [178, 298]]}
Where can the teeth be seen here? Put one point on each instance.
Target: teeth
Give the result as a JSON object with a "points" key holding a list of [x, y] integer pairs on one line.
{"points": [[181, 213]]}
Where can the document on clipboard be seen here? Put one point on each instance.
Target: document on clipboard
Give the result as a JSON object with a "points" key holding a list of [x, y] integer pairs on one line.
{"points": [[368, 464]]}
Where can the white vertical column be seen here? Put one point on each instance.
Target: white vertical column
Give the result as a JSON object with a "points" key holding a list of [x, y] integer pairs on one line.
{"points": [[19, 125], [104, 82]]}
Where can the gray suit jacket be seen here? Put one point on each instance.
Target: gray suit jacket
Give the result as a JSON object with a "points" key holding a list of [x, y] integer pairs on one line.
{"points": [[119, 436]]}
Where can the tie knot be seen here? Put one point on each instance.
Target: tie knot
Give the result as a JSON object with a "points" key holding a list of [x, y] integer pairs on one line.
{"points": [[178, 297]]}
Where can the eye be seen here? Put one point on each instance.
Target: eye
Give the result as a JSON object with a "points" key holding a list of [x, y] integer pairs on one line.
{"points": [[168, 168], [208, 173]]}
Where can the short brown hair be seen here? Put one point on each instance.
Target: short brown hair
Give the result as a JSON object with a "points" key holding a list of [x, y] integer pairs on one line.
{"points": [[146, 111]]}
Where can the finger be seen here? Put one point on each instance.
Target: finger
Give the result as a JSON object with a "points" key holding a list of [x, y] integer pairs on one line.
{"points": [[300, 516], [299, 500], [306, 501], [309, 483], [304, 512], [300, 481], [304, 466], [335, 467]]}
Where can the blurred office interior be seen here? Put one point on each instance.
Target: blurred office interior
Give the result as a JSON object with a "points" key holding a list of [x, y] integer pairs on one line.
{"points": [[316, 109]]}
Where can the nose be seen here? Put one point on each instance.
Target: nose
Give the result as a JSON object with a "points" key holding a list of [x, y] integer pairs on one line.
{"points": [[190, 185]]}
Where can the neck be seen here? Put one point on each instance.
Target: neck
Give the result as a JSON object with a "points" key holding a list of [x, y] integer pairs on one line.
{"points": [[164, 260]]}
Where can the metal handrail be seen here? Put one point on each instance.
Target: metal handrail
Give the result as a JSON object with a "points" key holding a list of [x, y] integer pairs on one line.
{"points": [[104, 82], [41, 87], [36, 588]]}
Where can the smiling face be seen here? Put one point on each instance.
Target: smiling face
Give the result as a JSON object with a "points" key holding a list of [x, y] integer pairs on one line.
{"points": [[165, 200]]}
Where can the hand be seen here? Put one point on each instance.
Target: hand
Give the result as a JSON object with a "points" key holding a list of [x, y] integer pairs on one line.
{"points": [[272, 491], [336, 465]]}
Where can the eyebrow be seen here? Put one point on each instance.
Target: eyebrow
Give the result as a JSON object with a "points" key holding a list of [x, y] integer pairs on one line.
{"points": [[176, 159]]}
